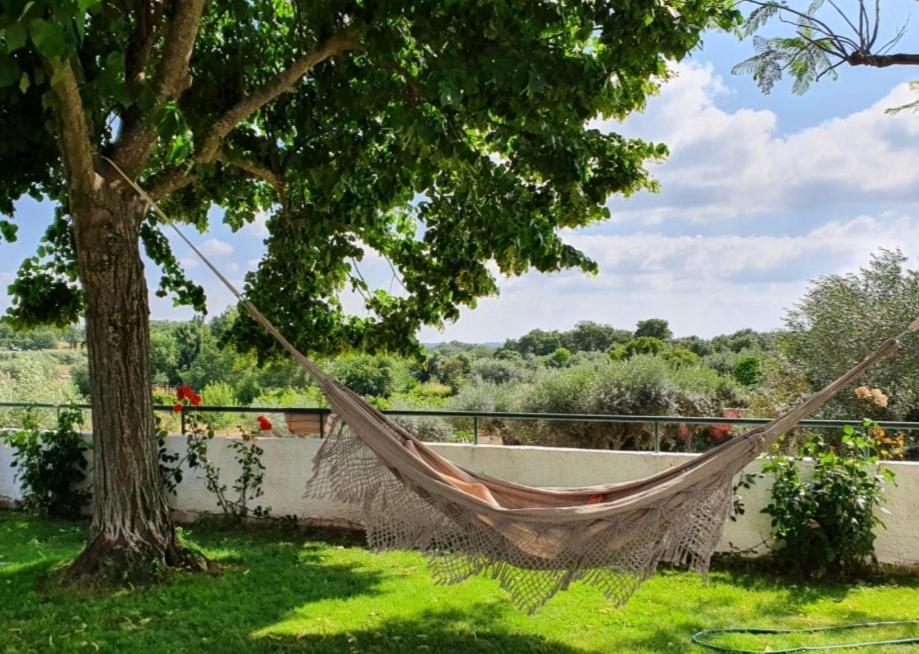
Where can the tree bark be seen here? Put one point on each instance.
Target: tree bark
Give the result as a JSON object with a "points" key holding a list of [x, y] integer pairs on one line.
{"points": [[133, 536]]}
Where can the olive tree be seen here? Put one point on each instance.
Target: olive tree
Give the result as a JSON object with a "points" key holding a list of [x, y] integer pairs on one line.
{"points": [[842, 317]]}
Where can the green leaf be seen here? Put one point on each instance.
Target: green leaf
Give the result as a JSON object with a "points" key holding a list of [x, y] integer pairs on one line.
{"points": [[8, 231], [48, 38], [9, 71], [24, 82], [16, 36]]}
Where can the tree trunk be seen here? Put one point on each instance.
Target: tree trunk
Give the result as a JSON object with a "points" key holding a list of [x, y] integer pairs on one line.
{"points": [[133, 536]]}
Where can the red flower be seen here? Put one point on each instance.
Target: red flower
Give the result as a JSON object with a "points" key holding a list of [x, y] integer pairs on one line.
{"points": [[177, 407], [264, 423], [186, 392]]}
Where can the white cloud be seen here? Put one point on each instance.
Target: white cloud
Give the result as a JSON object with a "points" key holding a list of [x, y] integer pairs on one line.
{"points": [[189, 262], [217, 248], [725, 165], [258, 228], [702, 285]]}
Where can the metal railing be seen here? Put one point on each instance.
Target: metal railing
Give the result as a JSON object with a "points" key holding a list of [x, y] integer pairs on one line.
{"points": [[476, 416]]}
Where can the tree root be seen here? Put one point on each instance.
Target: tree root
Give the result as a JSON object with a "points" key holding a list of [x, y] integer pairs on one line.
{"points": [[121, 562]]}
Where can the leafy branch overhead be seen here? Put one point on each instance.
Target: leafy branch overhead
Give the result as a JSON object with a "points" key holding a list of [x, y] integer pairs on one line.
{"points": [[825, 34], [447, 138]]}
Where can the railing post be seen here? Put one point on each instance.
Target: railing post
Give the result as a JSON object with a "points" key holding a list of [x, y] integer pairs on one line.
{"points": [[657, 437], [321, 423], [182, 419], [475, 430]]}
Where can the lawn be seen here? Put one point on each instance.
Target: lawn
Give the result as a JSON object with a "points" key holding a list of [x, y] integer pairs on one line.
{"points": [[288, 591]]}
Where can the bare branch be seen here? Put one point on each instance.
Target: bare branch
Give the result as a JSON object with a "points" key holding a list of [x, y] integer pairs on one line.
{"points": [[170, 82], [829, 70], [877, 24], [845, 17], [896, 38], [74, 131]]}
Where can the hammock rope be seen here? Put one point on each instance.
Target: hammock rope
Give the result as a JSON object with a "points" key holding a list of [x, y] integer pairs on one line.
{"points": [[535, 541]]}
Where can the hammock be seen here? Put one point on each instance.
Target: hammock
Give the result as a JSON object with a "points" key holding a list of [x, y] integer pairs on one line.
{"points": [[535, 541]]}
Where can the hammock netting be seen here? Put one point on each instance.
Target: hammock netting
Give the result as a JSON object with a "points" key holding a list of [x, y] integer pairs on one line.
{"points": [[535, 541]]}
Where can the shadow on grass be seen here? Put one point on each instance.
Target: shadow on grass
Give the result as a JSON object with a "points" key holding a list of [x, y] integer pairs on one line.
{"points": [[474, 630], [264, 578]]}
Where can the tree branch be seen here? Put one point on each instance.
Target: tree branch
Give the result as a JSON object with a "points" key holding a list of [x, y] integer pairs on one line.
{"points": [[253, 169], [169, 181], [883, 61], [282, 83], [74, 132], [209, 148], [170, 81]]}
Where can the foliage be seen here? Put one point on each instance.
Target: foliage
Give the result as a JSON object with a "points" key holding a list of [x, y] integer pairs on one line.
{"points": [[639, 345], [748, 371], [40, 338], [642, 385], [842, 317], [909, 106], [334, 119], [681, 356], [501, 371], [365, 374], [653, 328], [490, 398], [586, 336], [248, 456], [560, 358], [51, 465], [825, 523]]}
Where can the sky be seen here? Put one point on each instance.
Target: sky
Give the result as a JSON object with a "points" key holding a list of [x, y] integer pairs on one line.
{"points": [[760, 195]]}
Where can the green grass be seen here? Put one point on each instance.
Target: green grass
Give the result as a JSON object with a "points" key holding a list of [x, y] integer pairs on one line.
{"points": [[289, 592]]}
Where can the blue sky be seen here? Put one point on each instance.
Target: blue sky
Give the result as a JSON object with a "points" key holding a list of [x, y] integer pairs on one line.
{"points": [[760, 195]]}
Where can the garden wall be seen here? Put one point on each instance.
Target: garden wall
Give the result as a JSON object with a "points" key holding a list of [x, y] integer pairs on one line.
{"points": [[288, 466]]}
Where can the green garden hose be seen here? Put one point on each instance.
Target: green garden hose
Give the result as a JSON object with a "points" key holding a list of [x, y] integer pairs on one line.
{"points": [[699, 638]]}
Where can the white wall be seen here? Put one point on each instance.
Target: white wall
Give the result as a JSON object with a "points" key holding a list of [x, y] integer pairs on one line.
{"points": [[288, 463]]}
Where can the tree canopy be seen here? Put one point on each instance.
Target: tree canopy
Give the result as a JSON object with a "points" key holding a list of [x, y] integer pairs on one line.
{"points": [[437, 135]]}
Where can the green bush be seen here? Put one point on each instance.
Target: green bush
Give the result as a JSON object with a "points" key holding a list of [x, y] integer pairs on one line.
{"points": [[487, 398], [220, 394], [824, 523], [748, 370], [639, 345], [365, 375], [641, 385], [501, 371], [51, 464]]}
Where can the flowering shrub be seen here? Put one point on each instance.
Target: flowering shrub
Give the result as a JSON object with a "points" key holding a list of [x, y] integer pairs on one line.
{"points": [[198, 435], [824, 524]]}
